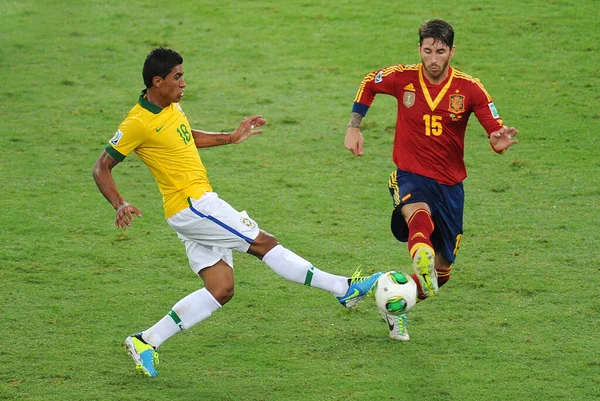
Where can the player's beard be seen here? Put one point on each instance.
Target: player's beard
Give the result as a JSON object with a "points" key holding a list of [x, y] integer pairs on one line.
{"points": [[436, 74]]}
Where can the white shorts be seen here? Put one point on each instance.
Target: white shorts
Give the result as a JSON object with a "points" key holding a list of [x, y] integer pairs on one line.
{"points": [[211, 229]]}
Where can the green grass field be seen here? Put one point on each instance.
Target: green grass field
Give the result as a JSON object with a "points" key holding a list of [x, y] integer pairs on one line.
{"points": [[518, 321]]}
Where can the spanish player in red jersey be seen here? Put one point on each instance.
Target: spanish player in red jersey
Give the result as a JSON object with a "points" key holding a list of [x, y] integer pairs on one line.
{"points": [[435, 102], [159, 133]]}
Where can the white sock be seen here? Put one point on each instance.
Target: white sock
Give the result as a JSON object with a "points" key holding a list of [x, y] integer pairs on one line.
{"points": [[294, 268], [186, 313]]}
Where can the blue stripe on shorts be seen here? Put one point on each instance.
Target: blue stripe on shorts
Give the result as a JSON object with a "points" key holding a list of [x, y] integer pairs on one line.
{"points": [[223, 225]]}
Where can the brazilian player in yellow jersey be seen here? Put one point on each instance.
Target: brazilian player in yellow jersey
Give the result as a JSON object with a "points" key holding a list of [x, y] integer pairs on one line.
{"points": [[158, 132], [163, 140]]}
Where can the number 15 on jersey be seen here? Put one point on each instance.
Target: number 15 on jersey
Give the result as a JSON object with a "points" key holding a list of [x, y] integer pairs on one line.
{"points": [[433, 125]]}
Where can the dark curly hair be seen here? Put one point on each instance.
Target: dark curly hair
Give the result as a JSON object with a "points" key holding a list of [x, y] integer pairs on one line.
{"points": [[159, 63]]}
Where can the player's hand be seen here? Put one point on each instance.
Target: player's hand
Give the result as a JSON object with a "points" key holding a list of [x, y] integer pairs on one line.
{"points": [[502, 139], [354, 141], [124, 217], [246, 128]]}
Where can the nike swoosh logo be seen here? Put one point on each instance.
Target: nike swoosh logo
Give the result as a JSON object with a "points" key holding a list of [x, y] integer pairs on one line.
{"points": [[355, 294], [390, 325], [159, 128]]}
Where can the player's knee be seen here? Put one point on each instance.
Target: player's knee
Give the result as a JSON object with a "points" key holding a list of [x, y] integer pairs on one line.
{"points": [[267, 240], [262, 244], [223, 294]]}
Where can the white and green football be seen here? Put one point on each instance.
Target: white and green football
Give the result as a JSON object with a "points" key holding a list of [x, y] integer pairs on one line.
{"points": [[395, 293]]}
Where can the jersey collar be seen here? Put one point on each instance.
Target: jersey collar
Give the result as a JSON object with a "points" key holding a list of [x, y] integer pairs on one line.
{"points": [[433, 103], [145, 103]]}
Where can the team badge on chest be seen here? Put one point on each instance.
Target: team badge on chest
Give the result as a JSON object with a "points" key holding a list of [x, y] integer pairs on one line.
{"points": [[408, 99], [456, 104]]}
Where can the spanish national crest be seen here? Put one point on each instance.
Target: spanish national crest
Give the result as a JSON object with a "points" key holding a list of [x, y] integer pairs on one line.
{"points": [[456, 104]]}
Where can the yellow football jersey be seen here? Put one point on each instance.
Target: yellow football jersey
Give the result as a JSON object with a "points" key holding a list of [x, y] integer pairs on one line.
{"points": [[162, 139]]}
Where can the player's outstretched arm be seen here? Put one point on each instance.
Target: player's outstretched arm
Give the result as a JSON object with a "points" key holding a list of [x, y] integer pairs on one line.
{"points": [[102, 173], [502, 139], [205, 139], [354, 139], [246, 128]]}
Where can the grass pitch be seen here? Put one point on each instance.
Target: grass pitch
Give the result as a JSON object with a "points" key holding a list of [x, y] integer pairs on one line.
{"points": [[519, 319]]}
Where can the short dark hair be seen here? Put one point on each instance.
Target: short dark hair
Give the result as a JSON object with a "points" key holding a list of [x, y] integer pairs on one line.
{"points": [[438, 30], [159, 63]]}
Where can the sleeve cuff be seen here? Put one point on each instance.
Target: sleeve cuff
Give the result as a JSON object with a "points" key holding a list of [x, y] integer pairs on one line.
{"points": [[114, 153], [360, 108]]}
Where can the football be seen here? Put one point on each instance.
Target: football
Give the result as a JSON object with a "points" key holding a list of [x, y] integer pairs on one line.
{"points": [[395, 293]]}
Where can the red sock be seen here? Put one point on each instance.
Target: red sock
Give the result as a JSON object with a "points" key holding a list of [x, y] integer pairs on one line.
{"points": [[420, 227], [420, 294], [443, 276]]}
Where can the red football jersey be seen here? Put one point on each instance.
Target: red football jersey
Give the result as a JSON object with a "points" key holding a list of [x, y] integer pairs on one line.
{"points": [[432, 119]]}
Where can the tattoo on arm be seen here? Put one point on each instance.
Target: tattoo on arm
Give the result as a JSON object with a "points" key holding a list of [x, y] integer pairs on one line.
{"points": [[223, 138], [355, 120], [206, 139]]}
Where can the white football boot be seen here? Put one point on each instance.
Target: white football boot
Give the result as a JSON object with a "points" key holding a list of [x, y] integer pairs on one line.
{"points": [[397, 326]]}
